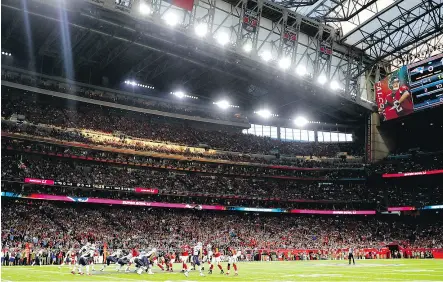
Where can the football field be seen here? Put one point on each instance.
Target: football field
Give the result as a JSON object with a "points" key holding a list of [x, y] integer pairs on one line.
{"points": [[364, 270]]}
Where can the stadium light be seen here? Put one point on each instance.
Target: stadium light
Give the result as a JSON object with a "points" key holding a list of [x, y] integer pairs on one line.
{"points": [[322, 79], [247, 47], [201, 29], [171, 19], [300, 121], [222, 38], [266, 56], [179, 94], [284, 63], [144, 9], [222, 104], [134, 83], [264, 113], [301, 70], [335, 85]]}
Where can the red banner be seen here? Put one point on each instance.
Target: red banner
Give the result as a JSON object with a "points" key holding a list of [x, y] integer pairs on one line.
{"points": [[333, 212], [146, 190], [401, 208], [39, 181], [184, 4], [426, 172]]}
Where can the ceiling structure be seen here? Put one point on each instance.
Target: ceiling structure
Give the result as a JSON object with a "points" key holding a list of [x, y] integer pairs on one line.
{"points": [[393, 31], [104, 53]]}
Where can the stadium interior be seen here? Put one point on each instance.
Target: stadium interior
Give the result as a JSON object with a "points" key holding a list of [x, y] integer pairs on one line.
{"points": [[188, 134]]}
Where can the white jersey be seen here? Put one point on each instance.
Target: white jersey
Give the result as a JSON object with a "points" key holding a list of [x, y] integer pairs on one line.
{"points": [[88, 254], [84, 249], [351, 251], [142, 255], [116, 254], [127, 257], [197, 250]]}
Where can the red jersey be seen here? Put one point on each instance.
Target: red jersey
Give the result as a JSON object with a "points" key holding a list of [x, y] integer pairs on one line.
{"points": [[185, 251], [393, 109], [217, 254], [134, 253]]}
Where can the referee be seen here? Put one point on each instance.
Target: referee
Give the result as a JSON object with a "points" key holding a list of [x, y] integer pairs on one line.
{"points": [[351, 255]]}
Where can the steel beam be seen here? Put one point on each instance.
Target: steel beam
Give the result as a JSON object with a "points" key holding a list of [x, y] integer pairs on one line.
{"points": [[411, 26], [339, 10]]}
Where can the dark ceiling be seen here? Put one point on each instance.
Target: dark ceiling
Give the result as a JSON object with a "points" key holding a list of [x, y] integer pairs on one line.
{"points": [[102, 52]]}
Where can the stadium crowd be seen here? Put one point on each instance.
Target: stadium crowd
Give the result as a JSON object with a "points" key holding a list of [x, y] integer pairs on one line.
{"points": [[62, 225], [42, 109], [411, 163], [123, 99], [18, 167]]}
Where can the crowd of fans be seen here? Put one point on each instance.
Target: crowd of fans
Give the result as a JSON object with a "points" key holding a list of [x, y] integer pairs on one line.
{"points": [[62, 225], [114, 97], [211, 180], [330, 185], [42, 109], [300, 168], [57, 134], [411, 163], [16, 167]]}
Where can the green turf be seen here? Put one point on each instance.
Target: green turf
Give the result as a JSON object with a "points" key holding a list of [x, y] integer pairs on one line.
{"points": [[366, 270]]}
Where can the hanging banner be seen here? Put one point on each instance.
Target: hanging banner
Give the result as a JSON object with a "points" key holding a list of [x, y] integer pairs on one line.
{"points": [[325, 50], [290, 37], [250, 21], [184, 4], [393, 95]]}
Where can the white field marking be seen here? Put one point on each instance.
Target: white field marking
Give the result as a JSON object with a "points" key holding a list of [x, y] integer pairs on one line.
{"points": [[319, 275], [98, 276], [345, 264], [387, 273], [413, 270]]}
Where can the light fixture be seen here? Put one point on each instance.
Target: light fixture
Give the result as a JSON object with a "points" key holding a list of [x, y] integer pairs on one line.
{"points": [[179, 94], [284, 63], [247, 47], [171, 19], [201, 29], [266, 56], [300, 70], [322, 79], [264, 113], [144, 8], [335, 85], [222, 38], [300, 121], [222, 104]]}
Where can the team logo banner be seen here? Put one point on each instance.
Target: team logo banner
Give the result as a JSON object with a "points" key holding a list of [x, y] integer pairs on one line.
{"points": [[393, 95], [250, 21], [290, 37], [325, 50]]}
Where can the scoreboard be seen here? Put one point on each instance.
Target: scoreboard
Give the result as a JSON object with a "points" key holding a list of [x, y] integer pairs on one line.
{"points": [[426, 82]]}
